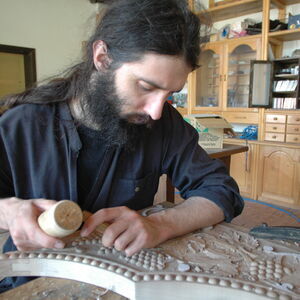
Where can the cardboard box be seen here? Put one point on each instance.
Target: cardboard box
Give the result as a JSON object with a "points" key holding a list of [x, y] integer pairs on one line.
{"points": [[210, 128]]}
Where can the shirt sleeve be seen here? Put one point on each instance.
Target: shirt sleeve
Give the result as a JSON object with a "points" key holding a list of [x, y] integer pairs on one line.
{"points": [[194, 173], [6, 186]]}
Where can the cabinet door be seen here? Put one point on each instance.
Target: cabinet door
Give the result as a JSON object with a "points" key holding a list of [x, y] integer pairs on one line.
{"points": [[238, 73], [242, 169], [279, 175], [207, 79]]}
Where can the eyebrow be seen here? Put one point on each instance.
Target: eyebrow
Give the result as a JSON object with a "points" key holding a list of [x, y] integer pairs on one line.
{"points": [[156, 85]]}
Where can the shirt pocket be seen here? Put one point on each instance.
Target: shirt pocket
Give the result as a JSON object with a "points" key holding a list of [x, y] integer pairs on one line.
{"points": [[134, 193]]}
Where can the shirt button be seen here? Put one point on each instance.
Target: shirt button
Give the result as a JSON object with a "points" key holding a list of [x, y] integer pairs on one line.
{"points": [[137, 189]]}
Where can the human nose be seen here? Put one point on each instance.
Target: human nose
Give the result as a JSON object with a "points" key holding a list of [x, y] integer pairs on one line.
{"points": [[154, 107]]}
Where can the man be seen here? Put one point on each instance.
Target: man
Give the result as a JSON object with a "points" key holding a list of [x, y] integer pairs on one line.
{"points": [[104, 134]]}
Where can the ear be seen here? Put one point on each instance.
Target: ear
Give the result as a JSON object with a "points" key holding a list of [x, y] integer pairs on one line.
{"points": [[100, 56]]}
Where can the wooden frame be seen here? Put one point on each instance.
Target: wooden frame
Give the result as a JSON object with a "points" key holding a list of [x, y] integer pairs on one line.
{"points": [[29, 62], [252, 102]]}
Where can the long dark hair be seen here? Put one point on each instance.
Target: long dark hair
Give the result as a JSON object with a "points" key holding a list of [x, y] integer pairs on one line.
{"points": [[130, 28]]}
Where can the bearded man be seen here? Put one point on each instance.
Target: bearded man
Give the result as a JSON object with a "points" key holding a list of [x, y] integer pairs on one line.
{"points": [[103, 135]]}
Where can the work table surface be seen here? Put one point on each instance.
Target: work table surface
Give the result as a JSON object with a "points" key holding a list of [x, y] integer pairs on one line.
{"points": [[52, 288]]}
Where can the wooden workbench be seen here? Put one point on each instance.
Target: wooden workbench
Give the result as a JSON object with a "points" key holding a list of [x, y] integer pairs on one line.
{"points": [[62, 289]]}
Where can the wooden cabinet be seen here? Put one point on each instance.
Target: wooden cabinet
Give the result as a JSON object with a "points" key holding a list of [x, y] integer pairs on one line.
{"points": [[279, 162], [284, 83], [270, 171], [279, 175], [242, 118], [275, 127], [282, 127], [239, 54], [222, 80], [293, 129], [274, 83], [243, 169], [206, 82]]}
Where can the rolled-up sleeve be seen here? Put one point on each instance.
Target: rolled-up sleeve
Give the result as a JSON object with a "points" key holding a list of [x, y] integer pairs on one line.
{"points": [[6, 185], [194, 173]]}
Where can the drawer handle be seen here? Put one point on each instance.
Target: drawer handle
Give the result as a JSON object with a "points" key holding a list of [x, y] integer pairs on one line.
{"points": [[275, 118], [274, 137], [298, 119], [274, 128], [239, 117], [295, 139], [296, 129]]}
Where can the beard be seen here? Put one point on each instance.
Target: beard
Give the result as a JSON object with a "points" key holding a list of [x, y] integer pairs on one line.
{"points": [[102, 110]]}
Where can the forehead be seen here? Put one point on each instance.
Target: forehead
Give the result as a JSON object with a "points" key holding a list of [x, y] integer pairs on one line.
{"points": [[167, 71]]}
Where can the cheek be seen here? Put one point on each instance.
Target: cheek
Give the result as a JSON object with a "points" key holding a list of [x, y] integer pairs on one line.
{"points": [[130, 95], [132, 99]]}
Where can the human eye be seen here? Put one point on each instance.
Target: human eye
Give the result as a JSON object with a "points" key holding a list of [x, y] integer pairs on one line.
{"points": [[145, 87]]}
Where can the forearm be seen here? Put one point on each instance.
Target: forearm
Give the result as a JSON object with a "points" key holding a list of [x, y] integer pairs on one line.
{"points": [[130, 232], [192, 214]]}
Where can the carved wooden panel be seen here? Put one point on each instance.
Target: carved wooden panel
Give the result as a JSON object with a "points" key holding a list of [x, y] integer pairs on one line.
{"points": [[224, 260]]}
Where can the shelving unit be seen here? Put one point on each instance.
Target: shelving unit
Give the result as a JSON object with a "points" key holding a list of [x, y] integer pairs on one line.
{"points": [[241, 8], [289, 82], [285, 35], [278, 78], [232, 10], [211, 91]]}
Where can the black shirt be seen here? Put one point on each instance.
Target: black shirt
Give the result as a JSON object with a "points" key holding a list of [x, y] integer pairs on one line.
{"points": [[89, 161], [40, 146]]}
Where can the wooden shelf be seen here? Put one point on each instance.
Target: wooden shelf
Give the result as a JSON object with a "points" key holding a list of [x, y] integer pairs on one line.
{"points": [[286, 76], [285, 92], [286, 35], [285, 2], [240, 8], [232, 10]]}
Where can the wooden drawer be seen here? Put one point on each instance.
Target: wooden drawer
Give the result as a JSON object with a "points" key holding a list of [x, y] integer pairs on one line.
{"points": [[275, 137], [293, 119], [275, 127], [293, 138], [275, 118], [208, 112], [293, 129], [241, 117]]}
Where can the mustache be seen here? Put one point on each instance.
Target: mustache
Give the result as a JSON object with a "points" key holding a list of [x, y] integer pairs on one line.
{"points": [[139, 119]]}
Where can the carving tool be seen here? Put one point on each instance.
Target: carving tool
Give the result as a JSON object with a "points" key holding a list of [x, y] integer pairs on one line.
{"points": [[276, 232], [62, 219]]}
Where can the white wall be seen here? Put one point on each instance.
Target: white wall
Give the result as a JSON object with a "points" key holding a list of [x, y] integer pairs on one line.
{"points": [[55, 28]]}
